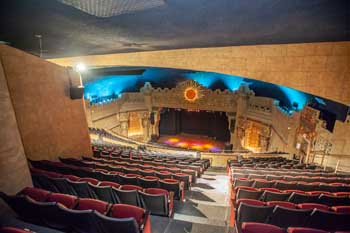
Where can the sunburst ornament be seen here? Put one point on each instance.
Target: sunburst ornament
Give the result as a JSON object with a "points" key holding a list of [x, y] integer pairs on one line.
{"points": [[192, 91]]}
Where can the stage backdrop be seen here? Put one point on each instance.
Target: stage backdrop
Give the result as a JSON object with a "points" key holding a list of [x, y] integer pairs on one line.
{"points": [[212, 124]]}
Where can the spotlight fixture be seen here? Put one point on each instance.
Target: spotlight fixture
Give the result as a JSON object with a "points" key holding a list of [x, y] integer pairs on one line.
{"points": [[80, 67]]}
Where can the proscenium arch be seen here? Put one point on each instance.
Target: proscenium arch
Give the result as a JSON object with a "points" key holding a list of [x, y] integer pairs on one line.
{"points": [[321, 69]]}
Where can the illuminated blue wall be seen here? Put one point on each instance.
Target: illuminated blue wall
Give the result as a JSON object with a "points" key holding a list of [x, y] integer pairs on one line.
{"points": [[107, 88]]}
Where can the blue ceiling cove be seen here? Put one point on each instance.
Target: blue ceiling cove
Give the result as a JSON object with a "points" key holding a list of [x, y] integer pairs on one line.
{"points": [[102, 89]]}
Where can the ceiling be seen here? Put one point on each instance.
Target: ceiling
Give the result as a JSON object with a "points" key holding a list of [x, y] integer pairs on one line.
{"points": [[67, 31]]}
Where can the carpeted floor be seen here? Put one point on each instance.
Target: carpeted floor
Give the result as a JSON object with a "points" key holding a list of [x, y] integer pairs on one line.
{"points": [[205, 210]]}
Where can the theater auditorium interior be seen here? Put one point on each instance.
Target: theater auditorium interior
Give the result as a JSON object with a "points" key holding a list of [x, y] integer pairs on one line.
{"points": [[175, 116]]}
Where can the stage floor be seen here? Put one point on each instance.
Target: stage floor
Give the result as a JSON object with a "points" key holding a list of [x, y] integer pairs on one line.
{"points": [[194, 142]]}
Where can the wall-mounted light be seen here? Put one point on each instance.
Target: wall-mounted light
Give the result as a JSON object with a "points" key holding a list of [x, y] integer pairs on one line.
{"points": [[80, 67]]}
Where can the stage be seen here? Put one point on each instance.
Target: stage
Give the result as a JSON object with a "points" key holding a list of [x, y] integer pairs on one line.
{"points": [[193, 142]]}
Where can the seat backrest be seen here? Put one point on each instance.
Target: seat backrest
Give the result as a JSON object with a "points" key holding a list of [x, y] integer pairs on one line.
{"points": [[68, 201], [112, 224], [109, 183], [286, 217], [263, 184], [253, 213], [313, 206], [329, 221], [341, 209], [156, 201], [131, 187], [62, 186], [104, 193], [297, 198], [285, 185], [92, 204], [252, 227], [242, 193], [305, 230], [90, 180], [172, 186], [243, 182], [128, 211], [36, 193], [250, 202], [282, 203], [81, 220], [274, 196], [130, 197], [333, 200], [71, 177], [82, 189]]}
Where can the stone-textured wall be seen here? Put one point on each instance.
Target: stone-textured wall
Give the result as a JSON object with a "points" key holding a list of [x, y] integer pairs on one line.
{"points": [[50, 122], [14, 172], [322, 69]]}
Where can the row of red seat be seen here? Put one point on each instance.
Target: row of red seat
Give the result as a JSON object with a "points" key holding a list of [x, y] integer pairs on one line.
{"points": [[57, 210], [158, 201], [306, 206], [252, 227], [174, 185], [194, 171], [186, 176], [284, 185], [295, 196], [286, 172]]}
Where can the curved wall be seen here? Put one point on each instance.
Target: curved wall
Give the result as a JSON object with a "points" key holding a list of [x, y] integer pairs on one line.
{"points": [[321, 69]]}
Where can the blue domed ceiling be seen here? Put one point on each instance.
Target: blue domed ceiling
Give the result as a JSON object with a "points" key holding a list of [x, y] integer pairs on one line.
{"points": [[107, 87]]}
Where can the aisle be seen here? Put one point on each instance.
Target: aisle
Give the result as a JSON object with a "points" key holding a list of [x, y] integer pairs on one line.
{"points": [[206, 209]]}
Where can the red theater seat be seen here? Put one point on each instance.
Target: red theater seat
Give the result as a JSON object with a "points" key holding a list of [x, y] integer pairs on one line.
{"points": [[36, 193], [341, 209], [304, 230], [128, 211], [90, 180], [251, 227], [109, 183], [313, 206], [281, 203], [93, 204], [131, 187], [71, 177], [250, 202], [68, 201], [13, 230]]}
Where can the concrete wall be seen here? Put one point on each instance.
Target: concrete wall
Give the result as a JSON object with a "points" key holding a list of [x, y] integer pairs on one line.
{"points": [[51, 124], [322, 69], [14, 172]]}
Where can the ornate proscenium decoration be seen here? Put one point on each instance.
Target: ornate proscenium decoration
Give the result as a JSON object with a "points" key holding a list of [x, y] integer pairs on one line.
{"points": [[192, 92]]}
